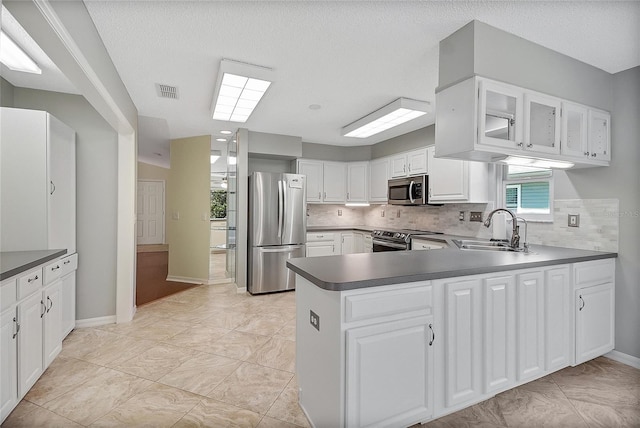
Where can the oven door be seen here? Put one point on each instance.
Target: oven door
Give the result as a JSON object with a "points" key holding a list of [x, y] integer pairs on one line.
{"points": [[380, 245]]}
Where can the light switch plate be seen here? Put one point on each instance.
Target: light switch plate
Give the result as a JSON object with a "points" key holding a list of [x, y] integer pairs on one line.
{"points": [[476, 216], [574, 220]]}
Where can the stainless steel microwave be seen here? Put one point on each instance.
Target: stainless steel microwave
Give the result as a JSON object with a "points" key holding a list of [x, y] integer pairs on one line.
{"points": [[408, 191]]}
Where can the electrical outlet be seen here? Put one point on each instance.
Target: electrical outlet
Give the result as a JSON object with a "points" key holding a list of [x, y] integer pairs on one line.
{"points": [[314, 320], [574, 220], [339, 213], [476, 216], [382, 213], [461, 216]]}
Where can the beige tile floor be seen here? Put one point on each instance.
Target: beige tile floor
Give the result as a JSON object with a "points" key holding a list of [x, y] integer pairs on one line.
{"points": [[210, 357]]}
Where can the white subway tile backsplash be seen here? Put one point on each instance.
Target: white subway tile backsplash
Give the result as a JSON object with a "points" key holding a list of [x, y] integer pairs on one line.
{"points": [[598, 221]]}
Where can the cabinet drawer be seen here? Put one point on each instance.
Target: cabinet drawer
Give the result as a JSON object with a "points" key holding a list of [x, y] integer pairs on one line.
{"points": [[594, 272], [314, 237], [29, 283], [69, 264], [8, 293], [52, 271], [386, 303]]}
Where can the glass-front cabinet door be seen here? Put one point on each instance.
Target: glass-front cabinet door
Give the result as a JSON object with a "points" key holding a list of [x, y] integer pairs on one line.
{"points": [[541, 123], [500, 115], [599, 135], [573, 141]]}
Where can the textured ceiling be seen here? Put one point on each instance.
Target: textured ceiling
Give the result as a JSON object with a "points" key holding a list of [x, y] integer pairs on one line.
{"points": [[349, 57]]}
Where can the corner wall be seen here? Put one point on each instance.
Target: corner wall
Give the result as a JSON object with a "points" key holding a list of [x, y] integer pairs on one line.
{"points": [[96, 196], [188, 206]]}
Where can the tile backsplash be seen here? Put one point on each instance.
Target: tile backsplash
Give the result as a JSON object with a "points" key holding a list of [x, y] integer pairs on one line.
{"points": [[598, 221]]}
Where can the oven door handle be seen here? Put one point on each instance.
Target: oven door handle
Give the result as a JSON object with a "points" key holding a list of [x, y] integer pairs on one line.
{"points": [[389, 244]]}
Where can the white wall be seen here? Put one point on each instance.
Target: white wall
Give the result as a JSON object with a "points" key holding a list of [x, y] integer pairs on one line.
{"points": [[96, 193]]}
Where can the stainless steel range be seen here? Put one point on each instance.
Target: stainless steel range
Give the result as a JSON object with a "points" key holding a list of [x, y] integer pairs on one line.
{"points": [[395, 240]]}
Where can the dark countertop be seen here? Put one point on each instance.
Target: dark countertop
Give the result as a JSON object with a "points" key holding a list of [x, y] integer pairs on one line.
{"points": [[351, 271], [339, 228], [15, 262]]}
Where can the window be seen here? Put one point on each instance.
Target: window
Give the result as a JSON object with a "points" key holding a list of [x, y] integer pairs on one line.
{"points": [[528, 192]]}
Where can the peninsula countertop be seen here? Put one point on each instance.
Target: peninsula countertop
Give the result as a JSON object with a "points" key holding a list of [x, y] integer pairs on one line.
{"points": [[352, 271], [13, 263]]}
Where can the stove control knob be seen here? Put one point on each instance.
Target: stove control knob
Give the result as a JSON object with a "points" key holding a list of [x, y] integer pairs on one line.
{"points": [[402, 235]]}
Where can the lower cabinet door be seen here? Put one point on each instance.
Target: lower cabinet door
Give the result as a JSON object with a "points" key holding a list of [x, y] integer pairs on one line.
{"points": [[530, 323], [463, 341], [52, 322], [594, 321], [68, 303], [389, 372], [30, 340], [557, 329], [317, 249], [499, 333], [8, 363]]}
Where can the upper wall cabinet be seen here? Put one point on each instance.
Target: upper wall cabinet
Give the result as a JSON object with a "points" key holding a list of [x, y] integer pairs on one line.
{"points": [[357, 182], [378, 180], [326, 181], [410, 163], [313, 170], [38, 181], [484, 120], [457, 181]]}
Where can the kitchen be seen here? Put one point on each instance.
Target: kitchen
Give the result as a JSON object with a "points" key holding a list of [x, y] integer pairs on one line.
{"points": [[586, 185]]}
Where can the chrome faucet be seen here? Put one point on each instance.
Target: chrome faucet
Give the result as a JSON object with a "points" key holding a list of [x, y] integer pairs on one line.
{"points": [[525, 244], [515, 237]]}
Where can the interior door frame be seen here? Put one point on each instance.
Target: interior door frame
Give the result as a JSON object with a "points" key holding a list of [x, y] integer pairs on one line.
{"points": [[164, 201]]}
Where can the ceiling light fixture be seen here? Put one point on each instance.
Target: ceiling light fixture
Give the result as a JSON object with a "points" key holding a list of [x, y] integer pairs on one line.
{"points": [[14, 57], [393, 114], [239, 89], [225, 132], [222, 140]]}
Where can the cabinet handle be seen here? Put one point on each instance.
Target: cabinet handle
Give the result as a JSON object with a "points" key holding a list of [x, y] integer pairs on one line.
{"points": [[325, 195], [50, 304], [593, 155], [586, 153], [433, 335], [409, 167], [520, 144], [17, 327], [530, 145], [348, 196], [66, 262], [582, 301], [32, 279], [319, 195], [53, 187], [44, 308], [55, 268]]}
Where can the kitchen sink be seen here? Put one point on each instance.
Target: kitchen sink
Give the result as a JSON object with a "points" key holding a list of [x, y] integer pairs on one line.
{"points": [[469, 244]]}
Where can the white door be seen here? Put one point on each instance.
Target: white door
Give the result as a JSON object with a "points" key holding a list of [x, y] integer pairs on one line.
{"points": [[357, 181], [530, 323], [30, 341], [335, 182], [557, 333], [150, 212], [448, 178], [52, 322], [389, 373], [8, 362], [378, 176], [594, 321], [313, 171]]}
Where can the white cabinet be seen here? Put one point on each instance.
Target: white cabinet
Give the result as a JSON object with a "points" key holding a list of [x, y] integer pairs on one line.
{"points": [[348, 243], [426, 244], [455, 181], [389, 373], [323, 244], [557, 329], [313, 170], [30, 342], [409, 163], [8, 362], [378, 180], [52, 333], [367, 246], [595, 308], [38, 184], [573, 141], [357, 182], [480, 119], [499, 331], [68, 303], [358, 242], [463, 340], [530, 325], [334, 182], [599, 130]]}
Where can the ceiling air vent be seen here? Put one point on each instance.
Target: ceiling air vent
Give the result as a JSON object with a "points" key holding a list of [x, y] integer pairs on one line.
{"points": [[166, 91]]}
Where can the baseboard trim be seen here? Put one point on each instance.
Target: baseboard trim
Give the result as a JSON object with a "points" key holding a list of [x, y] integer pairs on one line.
{"points": [[187, 279], [95, 322], [627, 359], [220, 281], [241, 290]]}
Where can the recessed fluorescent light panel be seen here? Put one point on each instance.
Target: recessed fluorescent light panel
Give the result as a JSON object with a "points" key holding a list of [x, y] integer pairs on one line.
{"points": [[537, 163], [14, 57], [239, 89], [393, 114]]}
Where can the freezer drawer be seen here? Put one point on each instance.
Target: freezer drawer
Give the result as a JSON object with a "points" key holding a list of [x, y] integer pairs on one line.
{"points": [[268, 270]]}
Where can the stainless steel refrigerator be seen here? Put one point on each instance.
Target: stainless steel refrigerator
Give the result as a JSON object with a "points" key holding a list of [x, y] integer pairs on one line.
{"points": [[277, 229]]}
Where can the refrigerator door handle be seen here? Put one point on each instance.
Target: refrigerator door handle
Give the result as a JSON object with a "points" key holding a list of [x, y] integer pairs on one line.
{"points": [[280, 207]]}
